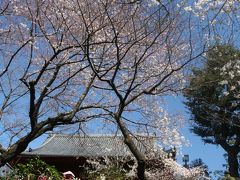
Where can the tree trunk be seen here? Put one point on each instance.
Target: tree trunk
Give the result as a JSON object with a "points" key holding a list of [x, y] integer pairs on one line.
{"points": [[138, 155], [141, 169], [134, 149], [233, 163]]}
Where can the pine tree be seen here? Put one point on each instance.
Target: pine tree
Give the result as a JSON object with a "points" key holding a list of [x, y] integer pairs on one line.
{"points": [[215, 111]]}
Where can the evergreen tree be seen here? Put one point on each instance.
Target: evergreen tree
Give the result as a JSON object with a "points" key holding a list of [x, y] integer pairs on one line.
{"points": [[215, 109], [199, 163]]}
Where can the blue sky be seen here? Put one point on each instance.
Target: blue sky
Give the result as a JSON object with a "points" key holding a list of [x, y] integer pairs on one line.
{"points": [[212, 155]]}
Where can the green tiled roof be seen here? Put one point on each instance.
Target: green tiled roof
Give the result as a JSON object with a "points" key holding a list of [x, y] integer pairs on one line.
{"points": [[88, 146]]}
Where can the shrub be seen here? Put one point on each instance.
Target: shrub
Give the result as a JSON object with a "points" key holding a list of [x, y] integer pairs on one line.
{"points": [[36, 167]]}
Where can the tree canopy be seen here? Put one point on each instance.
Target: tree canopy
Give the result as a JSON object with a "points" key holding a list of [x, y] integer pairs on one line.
{"points": [[73, 62], [213, 103], [66, 62]]}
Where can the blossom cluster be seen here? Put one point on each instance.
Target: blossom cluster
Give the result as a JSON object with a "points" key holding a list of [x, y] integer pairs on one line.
{"points": [[127, 44], [230, 74], [202, 8], [158, 167]]}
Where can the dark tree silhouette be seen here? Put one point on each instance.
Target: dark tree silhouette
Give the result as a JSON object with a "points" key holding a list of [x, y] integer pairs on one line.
{"points": [[214, 107]]}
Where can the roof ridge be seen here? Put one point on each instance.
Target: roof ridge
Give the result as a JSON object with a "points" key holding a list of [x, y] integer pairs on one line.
{"points": [[89, 135], [88, 145], [98, 135]]}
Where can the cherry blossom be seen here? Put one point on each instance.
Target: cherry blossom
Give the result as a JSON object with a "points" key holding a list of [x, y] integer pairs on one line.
{"points": [[70, 62]]}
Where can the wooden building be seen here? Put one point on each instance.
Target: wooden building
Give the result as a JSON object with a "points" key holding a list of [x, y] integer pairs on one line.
{"points": [[70, 152]]}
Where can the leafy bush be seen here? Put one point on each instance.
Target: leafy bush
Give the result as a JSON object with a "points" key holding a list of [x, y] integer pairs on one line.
{"points": [[36, 167]]}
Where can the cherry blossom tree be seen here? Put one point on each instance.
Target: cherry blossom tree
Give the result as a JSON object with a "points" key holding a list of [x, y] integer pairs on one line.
{"points": [[221, 17], [70, 62], [160, 167]]}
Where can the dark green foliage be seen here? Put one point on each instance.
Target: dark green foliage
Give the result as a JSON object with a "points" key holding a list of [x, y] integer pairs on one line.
{"points": [[36, 167], [214, 117], [199, 163]]}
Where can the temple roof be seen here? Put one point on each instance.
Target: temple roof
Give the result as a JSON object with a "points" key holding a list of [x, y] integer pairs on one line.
{"points": [[88, 146]]}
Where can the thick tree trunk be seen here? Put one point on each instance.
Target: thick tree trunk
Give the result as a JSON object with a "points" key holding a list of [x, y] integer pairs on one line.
{"points": [[137, 154], [233, 163], [141, 169], [22, 143], [134, 149]]}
